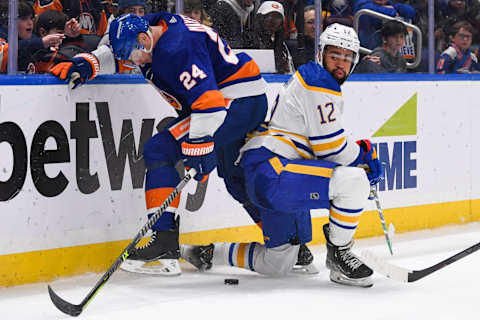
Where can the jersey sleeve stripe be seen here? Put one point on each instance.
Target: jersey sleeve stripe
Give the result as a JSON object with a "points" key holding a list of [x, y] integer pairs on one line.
{"points": [[180, 129], [209, 99], [315, 88], [291, 144], [248, 70], [327, 136], [333, 153], [211, 110], [268, 132], [329, 145]]}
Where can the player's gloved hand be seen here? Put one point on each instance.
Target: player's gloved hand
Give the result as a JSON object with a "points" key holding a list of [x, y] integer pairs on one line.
{"points": [[78, 70], [200, 154], [368, 157]]}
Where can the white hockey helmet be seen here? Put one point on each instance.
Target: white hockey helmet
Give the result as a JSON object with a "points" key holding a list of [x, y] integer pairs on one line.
{"points": [[341, 36]]}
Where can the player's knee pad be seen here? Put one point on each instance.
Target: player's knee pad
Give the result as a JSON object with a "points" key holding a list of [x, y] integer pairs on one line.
{"points": [[277, 261], [349, 187]]}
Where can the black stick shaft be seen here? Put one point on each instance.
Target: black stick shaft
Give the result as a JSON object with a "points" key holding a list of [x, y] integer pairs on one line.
{"points": [[75, 310]]}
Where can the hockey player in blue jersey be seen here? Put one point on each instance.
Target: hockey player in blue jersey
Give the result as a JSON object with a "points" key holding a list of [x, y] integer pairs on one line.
{"points": [[305, 160], [219, 97]]}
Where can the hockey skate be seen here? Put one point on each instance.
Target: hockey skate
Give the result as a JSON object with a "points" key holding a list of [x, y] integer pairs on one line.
{"points": [[199, 256], [305, 262], [345, 267], [158, 257]]}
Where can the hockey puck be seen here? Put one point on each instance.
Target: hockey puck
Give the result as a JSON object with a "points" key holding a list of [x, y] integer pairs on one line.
{"points": [[231, 281]]}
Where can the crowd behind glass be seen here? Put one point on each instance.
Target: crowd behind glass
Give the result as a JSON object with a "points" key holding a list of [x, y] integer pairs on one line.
{"points": [[50, 31]]}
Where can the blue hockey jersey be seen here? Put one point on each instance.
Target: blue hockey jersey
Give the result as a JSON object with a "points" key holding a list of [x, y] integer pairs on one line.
{"points": [[197, 72]]}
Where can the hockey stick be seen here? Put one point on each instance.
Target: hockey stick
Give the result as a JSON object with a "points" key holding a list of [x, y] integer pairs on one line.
{"points": [[374, 194], [75, 309], [405, 275]]}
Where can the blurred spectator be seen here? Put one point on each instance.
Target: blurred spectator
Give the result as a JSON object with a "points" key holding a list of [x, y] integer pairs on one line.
{"points": [[89, 13], [269, 34], [3, 55], [458, 58], [309, 37], [28, 43], [55, 22], [194, 9], [137, 7], [338, 11], [233, 20], [369, 34], [111, 8], [289, 22], [388, 57]]}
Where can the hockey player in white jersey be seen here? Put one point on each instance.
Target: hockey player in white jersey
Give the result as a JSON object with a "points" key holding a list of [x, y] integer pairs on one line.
{"points": [[302, 160]]}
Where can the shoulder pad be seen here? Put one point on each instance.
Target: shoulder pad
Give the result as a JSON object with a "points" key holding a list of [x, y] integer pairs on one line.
{"points": [[314, 77], [451, 52]]}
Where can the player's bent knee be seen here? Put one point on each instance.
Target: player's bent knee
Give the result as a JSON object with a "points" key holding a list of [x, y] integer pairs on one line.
{"points": [[350, 183], [277, 261]]}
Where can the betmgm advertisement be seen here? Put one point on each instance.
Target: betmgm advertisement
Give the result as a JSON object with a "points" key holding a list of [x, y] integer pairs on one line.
{"points": [[72, 171]]}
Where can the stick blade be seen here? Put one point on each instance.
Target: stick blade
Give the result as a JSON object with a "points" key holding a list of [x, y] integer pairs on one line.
{"points": [[64, 306], [381, 266]]}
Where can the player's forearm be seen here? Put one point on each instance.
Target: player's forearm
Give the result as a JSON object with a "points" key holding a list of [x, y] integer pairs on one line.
{"points": [[106, 59]]}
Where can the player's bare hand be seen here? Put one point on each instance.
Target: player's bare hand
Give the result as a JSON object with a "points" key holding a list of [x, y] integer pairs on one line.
{"points": [[72, 28], [53, 40]]}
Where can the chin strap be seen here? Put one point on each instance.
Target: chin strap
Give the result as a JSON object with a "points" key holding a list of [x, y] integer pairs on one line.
{"points": [[150, 35]]}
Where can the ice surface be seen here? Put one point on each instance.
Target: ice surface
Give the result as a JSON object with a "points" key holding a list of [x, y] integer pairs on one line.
{"points": [[451, 293]]}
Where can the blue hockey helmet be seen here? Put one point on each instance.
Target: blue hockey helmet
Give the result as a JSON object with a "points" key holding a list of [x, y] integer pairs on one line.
{"points": [[123, 35]]}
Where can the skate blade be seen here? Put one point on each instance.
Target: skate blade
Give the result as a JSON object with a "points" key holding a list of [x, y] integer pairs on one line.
{"points": [[162, 267], [308, 269], [340, 278]]}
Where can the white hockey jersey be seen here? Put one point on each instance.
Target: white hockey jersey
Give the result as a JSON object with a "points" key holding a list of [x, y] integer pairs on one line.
{"points": [[306, 120]]}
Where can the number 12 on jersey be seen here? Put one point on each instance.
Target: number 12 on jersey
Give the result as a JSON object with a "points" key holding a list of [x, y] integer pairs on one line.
{"points": [[326, 113]]}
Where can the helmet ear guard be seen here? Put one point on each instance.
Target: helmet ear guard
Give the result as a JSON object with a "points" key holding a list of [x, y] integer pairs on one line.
{"points": [[339, 36]]}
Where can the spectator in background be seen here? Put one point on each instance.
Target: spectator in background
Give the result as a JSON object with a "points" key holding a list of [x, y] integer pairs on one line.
{"points": [[194, 9], [369, 33], [28, 43], [89, 13], [269, 35], [233, 20], [458, 58], [388, 57], [309, 37], [111, 8], [55, 22], [137, 7], [338, 11], [289, 21]]}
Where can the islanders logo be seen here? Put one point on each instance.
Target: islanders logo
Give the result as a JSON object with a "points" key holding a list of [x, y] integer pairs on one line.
{"points": [[171, 100]]}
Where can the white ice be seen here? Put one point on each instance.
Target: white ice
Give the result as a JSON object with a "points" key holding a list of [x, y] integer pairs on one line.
{"points": [[450, 293]]}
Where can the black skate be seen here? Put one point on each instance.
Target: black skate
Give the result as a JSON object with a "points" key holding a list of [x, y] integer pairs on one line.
{"points": [[305, 261], [162, 251], [199, 256], [345, 267]]}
